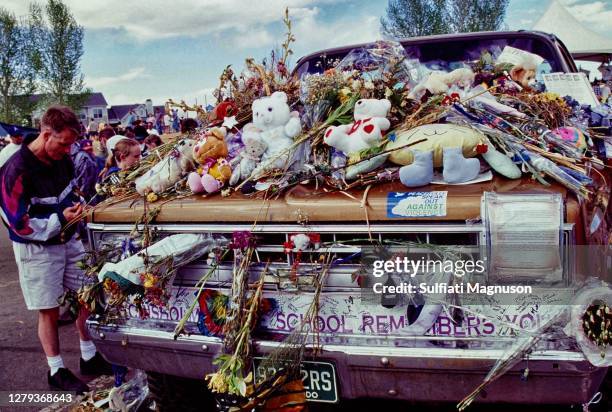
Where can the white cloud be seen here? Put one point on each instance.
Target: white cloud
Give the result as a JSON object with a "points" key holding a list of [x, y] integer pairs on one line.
{"points": [[157, 19], [252, 38], [312, 34], [132, 74]]}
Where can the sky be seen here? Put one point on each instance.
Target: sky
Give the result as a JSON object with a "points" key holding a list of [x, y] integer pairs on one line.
{"points": [[134, 50]]}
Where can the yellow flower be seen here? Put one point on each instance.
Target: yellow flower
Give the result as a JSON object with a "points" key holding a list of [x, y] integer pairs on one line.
{"points": [[344, 94], [150, 280], [152, 197], [217, 383]]}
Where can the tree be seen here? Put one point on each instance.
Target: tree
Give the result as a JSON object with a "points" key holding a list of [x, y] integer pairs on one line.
{"points": [[61, 49], [17, 68], [483, 15], [409, 18]]}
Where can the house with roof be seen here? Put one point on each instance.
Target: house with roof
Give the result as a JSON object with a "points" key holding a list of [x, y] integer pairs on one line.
{"points": [[94, 108], [119, 114]]}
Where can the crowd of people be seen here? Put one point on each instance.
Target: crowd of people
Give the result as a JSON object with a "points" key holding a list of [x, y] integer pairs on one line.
{"points": [[46, 182], [99, 154]]}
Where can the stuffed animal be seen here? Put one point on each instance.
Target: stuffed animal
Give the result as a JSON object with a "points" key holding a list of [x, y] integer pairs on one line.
{"points": [[524, 72], [211, 146], [214, 171], [365, 132], [276, 126], [247, 160], [168, 171], [441, 82], [224, 109], [449, 146]]}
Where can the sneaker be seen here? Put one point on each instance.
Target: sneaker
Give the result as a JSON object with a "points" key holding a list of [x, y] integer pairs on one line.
{"points": [[96, 366], [64, 380]]}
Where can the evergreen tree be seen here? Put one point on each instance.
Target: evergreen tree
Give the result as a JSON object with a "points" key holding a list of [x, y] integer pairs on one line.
{"points": [[409, 18], [483, 15]]}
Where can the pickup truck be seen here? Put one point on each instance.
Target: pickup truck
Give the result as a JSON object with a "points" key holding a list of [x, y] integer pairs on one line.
{"points": [[362, 356]]}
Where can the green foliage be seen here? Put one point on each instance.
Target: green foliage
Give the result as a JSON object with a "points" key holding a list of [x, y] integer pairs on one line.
{"points": [[18, 68], [482, 15], [60, 40], [410, 18]]}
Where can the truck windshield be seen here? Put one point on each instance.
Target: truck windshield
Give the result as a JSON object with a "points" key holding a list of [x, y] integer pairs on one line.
{"points": [[447, 53]]}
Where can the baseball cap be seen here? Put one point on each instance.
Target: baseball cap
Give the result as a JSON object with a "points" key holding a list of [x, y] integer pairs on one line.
{"points": [[112, 142]]}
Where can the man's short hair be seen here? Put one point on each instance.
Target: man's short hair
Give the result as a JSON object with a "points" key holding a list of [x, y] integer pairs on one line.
{"points": [[59, 118]]}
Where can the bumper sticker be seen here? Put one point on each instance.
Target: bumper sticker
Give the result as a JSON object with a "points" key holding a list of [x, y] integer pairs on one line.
{"points": [[416, 204]]}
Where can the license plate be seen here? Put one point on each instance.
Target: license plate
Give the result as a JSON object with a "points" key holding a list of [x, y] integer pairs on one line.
{"points": [[319, 379]]}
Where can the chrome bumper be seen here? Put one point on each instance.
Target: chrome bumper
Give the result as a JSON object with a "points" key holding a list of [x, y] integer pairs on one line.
{"points": [[416, 374]]}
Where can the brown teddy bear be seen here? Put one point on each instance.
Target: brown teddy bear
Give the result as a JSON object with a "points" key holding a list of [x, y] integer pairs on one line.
{"points": [[214, 171], [211, 146]]}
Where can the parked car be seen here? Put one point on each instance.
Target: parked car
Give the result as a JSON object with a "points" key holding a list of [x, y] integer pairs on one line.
{"points": [[376, 359]]}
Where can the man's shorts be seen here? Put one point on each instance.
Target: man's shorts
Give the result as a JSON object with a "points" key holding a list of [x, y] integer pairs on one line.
{"points": [[45, 272]]}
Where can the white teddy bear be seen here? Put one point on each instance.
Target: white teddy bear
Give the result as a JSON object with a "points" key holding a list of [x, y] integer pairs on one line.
{"points": [[275, 125], [169, 170], [440, 82], [244, 164], [365, 132]]}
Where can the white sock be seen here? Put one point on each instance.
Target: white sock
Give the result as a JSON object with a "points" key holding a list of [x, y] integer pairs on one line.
{"points": [[88, 350], [55, 362]]}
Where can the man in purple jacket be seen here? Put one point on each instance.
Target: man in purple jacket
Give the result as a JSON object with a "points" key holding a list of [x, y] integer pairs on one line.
{"points": [[37, 201]]}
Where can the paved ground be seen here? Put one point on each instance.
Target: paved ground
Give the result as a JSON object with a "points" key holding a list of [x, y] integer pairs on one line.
{"points": [[22, 360]]}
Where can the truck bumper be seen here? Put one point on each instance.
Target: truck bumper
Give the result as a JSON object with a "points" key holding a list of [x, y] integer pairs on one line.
{"points": [[416, 374]]}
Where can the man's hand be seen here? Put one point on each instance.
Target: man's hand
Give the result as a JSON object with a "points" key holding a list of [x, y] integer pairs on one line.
{"points": [[72, 212]]}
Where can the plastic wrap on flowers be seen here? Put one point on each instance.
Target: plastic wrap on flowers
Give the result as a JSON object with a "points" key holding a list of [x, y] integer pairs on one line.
{"points": [[591, 322], [381, 57], [183, 248]]}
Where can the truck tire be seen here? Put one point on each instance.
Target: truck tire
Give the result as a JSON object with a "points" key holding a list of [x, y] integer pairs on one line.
{"points": [[173, 393]]}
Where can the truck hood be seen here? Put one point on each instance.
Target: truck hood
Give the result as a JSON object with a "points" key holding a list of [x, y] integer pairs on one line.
{"points": [[304, 203]]}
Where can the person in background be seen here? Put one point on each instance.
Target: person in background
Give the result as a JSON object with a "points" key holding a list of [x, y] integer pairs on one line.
{"points": [[188, 125], [150, 129], [176, 122], [131, 118], [140, 131], [37, 202], [167, 123], [11, 148], [129, 132], [99, 146], [159, 121], [153, 141], [92, 127], [86, 169], [123, 153], [605, 91]]}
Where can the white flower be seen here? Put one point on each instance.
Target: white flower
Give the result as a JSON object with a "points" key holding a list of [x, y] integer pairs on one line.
{"points": [[369, 85]]}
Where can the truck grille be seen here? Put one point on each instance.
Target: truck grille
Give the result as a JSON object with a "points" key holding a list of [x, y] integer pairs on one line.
{"points": [[344, 241]]}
